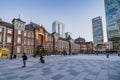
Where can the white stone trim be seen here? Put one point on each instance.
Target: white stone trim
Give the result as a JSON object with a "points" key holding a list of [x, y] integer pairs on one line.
{"points": [[4, 37]]}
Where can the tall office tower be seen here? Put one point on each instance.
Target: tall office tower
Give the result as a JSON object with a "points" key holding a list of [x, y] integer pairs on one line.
{"points": [[97, 30], [112, 11], [59, 28]]}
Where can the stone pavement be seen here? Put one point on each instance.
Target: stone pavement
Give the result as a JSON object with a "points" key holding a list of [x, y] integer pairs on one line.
{"points": [[78, 67]]}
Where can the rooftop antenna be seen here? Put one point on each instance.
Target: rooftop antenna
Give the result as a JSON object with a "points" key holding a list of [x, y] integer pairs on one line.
{"points": [[19, 16], [39, 24], [79, 35], [30, 20]]}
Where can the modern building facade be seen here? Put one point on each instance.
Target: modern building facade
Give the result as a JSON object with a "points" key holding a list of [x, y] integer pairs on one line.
{"points": [[118, 23], [97, 30], [112, 11], [102, 47], [59, 28]]}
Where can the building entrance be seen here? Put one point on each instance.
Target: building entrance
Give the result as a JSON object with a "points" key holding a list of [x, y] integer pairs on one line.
{"points": [[40, 39]]}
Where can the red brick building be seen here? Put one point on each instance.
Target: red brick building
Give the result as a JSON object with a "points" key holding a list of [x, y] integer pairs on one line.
{"points": [[19, 37], [49, 45], [6, 35], [85, 47]]}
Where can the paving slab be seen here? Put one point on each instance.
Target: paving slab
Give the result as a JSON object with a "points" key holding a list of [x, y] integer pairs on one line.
{"points": [[77, 67]]}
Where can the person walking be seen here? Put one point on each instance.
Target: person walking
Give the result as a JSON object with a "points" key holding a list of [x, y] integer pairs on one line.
{"points": [[24, 59], [41, 59], [11, 56], [107, 55], [14, 56]]}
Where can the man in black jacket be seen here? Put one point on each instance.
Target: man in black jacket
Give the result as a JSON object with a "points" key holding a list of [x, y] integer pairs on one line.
{"points": [[24, 59]]}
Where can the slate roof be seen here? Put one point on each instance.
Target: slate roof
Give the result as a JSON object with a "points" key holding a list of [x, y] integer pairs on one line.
{"points": [[2, 23], [62, 38], [80, 38], [32, 26], [18, 20]]}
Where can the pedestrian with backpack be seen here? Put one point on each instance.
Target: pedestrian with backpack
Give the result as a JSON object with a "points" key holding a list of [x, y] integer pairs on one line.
{"points": [[24, 59]]}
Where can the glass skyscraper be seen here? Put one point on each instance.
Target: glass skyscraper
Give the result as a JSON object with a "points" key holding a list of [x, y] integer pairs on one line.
{"points": [[97, 30], [112, 11], [59, 28]]}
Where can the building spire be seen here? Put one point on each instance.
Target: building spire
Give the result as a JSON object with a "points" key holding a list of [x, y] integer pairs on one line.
{"points": [[19, 16], [79, 35], [30, 20]]}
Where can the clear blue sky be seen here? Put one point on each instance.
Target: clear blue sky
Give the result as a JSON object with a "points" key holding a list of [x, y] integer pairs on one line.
{"points": [[75, 14]]}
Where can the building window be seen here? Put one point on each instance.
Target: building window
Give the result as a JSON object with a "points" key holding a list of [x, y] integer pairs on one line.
{"points": [[25, 33], [0, 38], [19, 32], [19, 25], [9, 31], [32, 42], [32, 35], [46, 37], [19, 40], [29, 34], [9, 39], [0, 29], [24, 41], [18, 49], [29, 42]]}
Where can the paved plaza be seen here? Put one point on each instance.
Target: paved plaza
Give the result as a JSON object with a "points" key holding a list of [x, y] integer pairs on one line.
{"points": [[77, 67]]}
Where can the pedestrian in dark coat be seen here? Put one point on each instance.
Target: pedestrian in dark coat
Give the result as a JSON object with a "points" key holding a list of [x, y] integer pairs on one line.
{"points": [[41, 59], [107, 55], [11, 55], [15, 56], [24, 59]]}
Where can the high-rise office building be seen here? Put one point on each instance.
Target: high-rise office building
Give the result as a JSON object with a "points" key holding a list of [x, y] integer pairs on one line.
{"points": [[59, 28], [97, 30], [112, 11]]}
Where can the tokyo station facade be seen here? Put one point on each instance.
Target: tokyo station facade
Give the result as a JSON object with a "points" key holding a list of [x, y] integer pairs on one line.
{"points": [[20, 37]]}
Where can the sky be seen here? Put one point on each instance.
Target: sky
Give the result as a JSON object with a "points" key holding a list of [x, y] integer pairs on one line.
{"points": [[75, 14]]}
